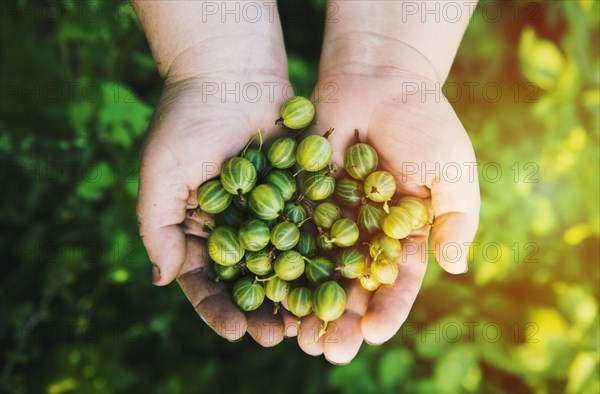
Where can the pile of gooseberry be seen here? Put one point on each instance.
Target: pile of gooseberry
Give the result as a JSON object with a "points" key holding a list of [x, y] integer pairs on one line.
{"points": [[285, 229]]}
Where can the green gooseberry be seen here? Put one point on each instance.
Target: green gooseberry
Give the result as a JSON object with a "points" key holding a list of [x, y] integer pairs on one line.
{"points": [[360, 160], [224, 247], [254, 235], [282, 153], [265, 202], [380, 186], [344, 233], [296, 113], [212, 197], [248, 294], [325, 214]]}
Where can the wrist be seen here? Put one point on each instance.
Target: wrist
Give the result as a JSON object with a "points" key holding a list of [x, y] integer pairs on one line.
{"points": [[192, 38], [373, 54], [394, 37], [248, 58]]}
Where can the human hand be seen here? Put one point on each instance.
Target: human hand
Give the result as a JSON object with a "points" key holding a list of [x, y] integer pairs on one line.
{"points": [[192, 131], [421, 141]]}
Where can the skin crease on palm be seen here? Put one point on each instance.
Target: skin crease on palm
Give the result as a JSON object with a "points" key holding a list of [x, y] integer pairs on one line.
{"points": [[192, 133], [409, 130]]}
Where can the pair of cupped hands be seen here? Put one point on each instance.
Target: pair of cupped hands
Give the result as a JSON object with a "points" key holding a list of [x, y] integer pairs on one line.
{"points": [[197, 125]]}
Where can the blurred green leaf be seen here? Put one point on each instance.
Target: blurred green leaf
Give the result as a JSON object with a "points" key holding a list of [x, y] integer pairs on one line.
{"points": [[541, 61], [96, 181], [583, 374], [394, 366], [457, 369]]}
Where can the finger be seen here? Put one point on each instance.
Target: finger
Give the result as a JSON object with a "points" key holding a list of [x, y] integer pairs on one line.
{"points": [[456, 209], [192, 201], [308, 335], [211, 300], [344, 336], [161, 209], [195, 224], [264, 326], [290, 323], [390, 305]]}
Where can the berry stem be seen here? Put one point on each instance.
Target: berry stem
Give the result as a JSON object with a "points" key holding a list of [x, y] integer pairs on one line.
{"points": [[304, 221], [323, 329], [250, 142], [356, 136], [260, 139], [207, 225], [241, 196], [386, 207], [257, 279], [299, 133], [328, 132]]}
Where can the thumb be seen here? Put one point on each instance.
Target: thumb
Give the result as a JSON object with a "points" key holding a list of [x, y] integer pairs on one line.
{"points": [[161, 208], [456, 203]]}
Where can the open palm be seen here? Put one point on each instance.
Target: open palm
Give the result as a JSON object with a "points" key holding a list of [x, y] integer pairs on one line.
{"points": [[193, 130], [423, 144]]}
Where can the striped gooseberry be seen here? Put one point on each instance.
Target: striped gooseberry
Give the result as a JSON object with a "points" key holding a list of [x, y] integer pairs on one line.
{"points": [[296, 113], [381, 244], [260, 262], [238, 176], [367, 281], [282, 153], [276, 289], [224, 247], [254, 235], [299, 301], [284, 181], [285, 235], [348, 192], [325, 214], [248, 294], [328, 302], [232, 216], [318, 269], [227, 272], [294, 212], [360, 160], [417, 209], [307, 245], [350, 262], [397, 223], [314, 152], [265, 202], [324, 242], [212, 197], [318, 185], [289, 265], [369, 218], [384, 270], [380, 186], [344, 233]]}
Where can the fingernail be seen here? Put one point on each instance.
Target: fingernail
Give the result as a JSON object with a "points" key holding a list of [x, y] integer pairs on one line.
{"points": [[337, 364], [372, 343], [155, 274]]}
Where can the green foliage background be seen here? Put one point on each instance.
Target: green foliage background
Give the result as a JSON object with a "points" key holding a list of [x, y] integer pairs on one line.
{"points": [[78, 312]]}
